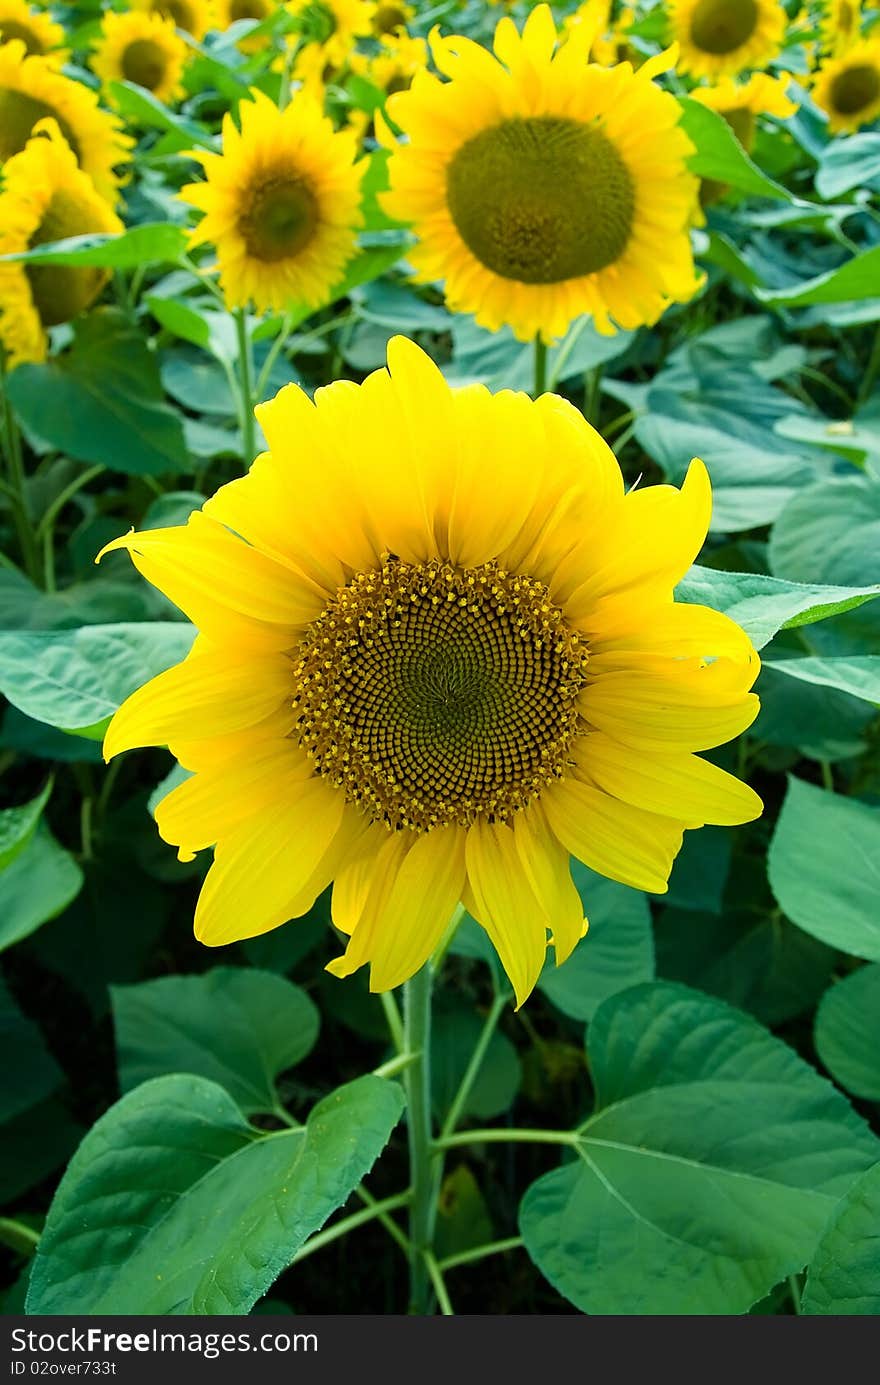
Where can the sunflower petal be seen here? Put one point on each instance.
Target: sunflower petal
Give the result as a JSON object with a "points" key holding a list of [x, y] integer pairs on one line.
{"points": [[506, 905]]}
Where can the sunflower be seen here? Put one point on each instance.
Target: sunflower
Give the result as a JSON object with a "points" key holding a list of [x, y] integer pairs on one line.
{"points": [[281, 203], [841, 25], [38, 33], [541, 188], [192, 16], [438, 652], [227, 12], [31, 89], [722, 37], [391, 17], [45, 197], [740, 104], [848, 87], [393, 68], [334, 26], [145, 49]]}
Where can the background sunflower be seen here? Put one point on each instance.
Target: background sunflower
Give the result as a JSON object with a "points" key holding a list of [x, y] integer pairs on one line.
{"points": [[141, 48]]}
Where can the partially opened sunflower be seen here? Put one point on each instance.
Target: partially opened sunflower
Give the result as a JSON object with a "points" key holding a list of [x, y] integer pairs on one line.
{"points": [[541, 187], [438, 652]]}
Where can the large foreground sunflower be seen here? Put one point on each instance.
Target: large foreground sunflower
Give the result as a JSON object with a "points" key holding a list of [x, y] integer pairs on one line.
{"points": [[45, 197], [541, 187], [32, 90], [848, 87], [438, 652], [143, 48], [281, 204], [38, 33], [192, 16], [723, 37]]}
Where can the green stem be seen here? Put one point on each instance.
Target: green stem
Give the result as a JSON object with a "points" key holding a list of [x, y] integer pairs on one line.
{"points": [[466, 1257], [399, 1063], [245, 378], [45, 530], [342, 1228], [393, 1020], [417, 1084], [18, 1236], [504, 1135], [440, 1290], [565, 350], [473, 1068], [388, 1222], [827, 776], [15, 466], [592, 395], [540, 367], [272, 355]]}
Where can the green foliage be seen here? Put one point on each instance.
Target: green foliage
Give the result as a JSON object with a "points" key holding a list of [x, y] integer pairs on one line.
{"points": [[844, 1277], [848, 1032]]}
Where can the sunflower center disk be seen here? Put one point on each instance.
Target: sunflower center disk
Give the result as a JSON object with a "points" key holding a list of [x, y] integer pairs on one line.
{"points": [[280, 219], [10, 30], [181, 14], [720, 26], [18, 116], [542, 198], [247, 9], [143, 63], [61, 292], [855, 88], [433, 694]]}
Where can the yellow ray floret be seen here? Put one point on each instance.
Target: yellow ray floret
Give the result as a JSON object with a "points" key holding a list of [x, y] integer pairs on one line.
{"points": [[540, 187], [144, 49], [33, 28], [721, 38], [848, 88], [438, 653], [281, 204], [45, 197], [192, 16], [841, 25]]}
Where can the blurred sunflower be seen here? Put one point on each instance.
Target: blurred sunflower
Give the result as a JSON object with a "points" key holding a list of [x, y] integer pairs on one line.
{"points": [[393, 68], [281, 204], [192, 16], [46, 197], [740, 103], [333, 26], [841, 25], [541, 188], [848, 87], [31, 89], [722, 37], [145, 49], [38, 33], [228, 12], [438, 652]]}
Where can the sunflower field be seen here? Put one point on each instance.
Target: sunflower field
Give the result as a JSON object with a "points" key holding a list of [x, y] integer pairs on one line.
{"points": [[439, 657]]}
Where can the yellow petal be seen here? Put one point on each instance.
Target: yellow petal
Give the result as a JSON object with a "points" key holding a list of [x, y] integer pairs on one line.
{"points": [[624, 843], [654, 713], [546, 864], [506, 905], [425, 891], [678, 786]]}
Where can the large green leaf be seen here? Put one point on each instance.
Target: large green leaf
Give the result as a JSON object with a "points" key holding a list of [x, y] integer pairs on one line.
{"points": [[76, 679], [764, 605], [617, 952], [39, 883], [824, 867], [844, 1277], [856, 278], [18, 825], [720, 155], [34, 1074], [830, 532], [859, 676], [848, 1032], [707, 1172], [102, 401], [173, 1204], [155, 242], [239, 1027]]}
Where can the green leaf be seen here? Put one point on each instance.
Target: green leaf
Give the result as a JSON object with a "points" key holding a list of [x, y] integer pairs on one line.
{"points": [[238, 1027], [140, 107], [849, 163], [847, 1032], [34, 1074], [173, 1204], [76, 679], [830, 531], [101, 401], [148, 244], [860, 676], [455, 1031], [858, 278], [18, 825], [708, 1171], [39, 883], [33, 1144], [824, 868], [617, 952], [764, 605], [844, 1277], [720, 155]]}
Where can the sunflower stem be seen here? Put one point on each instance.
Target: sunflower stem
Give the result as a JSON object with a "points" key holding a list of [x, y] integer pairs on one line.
{"points": [[473, 1068], [417, 1085], [245, 385], [18, 495], [540, 367]]}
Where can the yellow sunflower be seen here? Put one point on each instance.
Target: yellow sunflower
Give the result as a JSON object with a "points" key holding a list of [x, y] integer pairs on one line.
{"points": [[841, 25], [390, 17], [848, 87], [334, 26], [31, 89], [143, 48], [438, 652], [228, 12], [38, 33], [45, 197], [393, 68], [192, 16], [541, 188], [722, 37], [740, 104], [281, 204]]}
